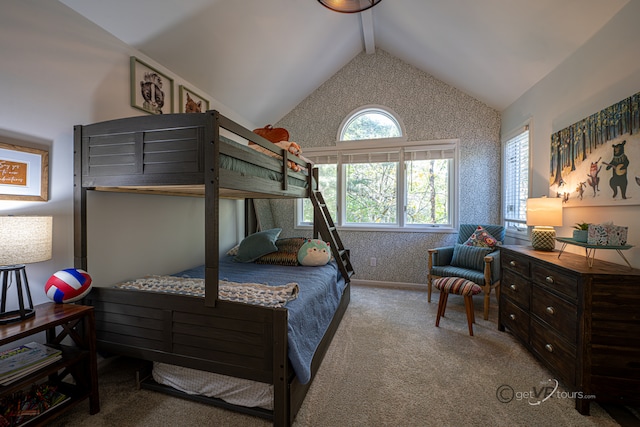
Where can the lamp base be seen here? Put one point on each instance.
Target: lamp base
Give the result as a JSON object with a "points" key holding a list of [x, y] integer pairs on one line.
{"points": [[543, 238], [25, 311], [16, 316]]}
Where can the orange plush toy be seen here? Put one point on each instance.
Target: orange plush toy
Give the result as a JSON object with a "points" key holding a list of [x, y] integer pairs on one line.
{"points": [[280, 137], [272, 134]]}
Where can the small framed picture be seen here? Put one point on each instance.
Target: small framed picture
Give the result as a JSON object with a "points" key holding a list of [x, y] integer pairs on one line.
{"points": [[151, 91], [24, 173], [191, 102]]}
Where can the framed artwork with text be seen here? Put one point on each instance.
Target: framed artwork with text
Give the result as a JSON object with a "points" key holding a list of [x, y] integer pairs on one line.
{"points": [[24, 173]]}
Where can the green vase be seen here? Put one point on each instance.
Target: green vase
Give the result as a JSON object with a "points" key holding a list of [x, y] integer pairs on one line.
{"points": [[580, 235]]}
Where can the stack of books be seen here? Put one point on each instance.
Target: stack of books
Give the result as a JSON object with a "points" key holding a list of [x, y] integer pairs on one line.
{"points": [[25, 359]]}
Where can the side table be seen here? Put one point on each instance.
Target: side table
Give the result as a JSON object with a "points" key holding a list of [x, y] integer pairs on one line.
{"points": [[590, 250], [60, 321]]}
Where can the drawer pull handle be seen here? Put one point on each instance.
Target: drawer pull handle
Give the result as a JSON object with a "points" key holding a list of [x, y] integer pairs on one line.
{"points": [[512, 316], [513, 287], [549, 279], [549, 348], [512, 263], [550, 310]]}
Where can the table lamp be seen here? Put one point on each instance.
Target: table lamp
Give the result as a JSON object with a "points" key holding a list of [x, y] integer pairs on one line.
{"points": [[23, 240], [543, 214]]}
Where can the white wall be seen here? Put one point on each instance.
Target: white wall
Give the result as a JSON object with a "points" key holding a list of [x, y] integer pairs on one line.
{"points": [[58, 70], [602, 72]]}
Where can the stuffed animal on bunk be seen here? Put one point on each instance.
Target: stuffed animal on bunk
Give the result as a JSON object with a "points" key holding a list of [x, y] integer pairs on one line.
{"points": [[280, 137], [314, 252]]}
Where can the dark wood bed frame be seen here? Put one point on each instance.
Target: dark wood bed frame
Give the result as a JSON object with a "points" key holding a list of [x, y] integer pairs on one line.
{"points": [[178, 154]]}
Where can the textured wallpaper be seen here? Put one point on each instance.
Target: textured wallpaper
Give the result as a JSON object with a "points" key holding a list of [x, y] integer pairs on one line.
{"points": [[430, 109]]}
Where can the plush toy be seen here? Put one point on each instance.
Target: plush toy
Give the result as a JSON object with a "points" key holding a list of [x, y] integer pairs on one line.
{"points": [[314, 252], [272, 134], [280, 137]]}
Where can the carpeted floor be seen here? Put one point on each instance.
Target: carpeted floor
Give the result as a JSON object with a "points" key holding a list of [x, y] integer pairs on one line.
{"points": [[387, 366]]}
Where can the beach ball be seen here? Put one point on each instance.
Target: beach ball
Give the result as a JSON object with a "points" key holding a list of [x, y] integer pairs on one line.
{"points": [[68, 285]]}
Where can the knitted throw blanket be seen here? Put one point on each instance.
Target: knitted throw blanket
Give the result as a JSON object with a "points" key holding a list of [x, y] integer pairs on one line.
{"points": [[248, 293]]}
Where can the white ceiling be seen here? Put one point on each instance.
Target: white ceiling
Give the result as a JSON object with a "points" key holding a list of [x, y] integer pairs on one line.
{"points": [[262, 57]]}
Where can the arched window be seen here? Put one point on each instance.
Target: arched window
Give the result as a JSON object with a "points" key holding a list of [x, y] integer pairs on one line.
{"points": [[373, 178], [370, 122]]}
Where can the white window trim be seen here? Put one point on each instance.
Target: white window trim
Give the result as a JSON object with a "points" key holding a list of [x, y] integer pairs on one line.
{"points": [[527, 124], [343, 149], [364, 108]]}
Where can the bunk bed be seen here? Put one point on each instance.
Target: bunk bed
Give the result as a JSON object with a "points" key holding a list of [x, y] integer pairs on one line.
{"points": [[195, 155]]}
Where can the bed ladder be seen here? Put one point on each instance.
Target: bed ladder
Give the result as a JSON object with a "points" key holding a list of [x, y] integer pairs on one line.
{"points": [[324, 226]]}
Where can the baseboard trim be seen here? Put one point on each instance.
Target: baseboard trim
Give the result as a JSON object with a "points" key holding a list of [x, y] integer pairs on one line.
{"points": [[394, 285]]}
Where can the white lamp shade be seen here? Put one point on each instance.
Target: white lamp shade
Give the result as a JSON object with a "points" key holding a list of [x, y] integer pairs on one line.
{"points": [[544, 211], [25, 239]]}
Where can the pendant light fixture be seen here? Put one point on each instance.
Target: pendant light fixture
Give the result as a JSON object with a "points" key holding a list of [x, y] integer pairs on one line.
{"points": [[349, 6]]}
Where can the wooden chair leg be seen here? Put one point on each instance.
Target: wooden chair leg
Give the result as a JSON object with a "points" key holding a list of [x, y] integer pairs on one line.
{"points": [[442, 305], [468, 305], [473, 311]]}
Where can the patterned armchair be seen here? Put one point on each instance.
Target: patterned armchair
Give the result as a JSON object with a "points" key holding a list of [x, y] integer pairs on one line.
{"points": [[478, 264]]}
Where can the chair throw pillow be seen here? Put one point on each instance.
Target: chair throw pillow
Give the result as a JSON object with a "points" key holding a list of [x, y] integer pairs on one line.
{"points": [[481, 238], [469, 256], [258, 244]]}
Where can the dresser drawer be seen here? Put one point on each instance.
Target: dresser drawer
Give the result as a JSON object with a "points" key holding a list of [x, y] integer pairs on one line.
{"points": [[516, 288], [558, 355], [514, 318], [515, 263], [561, 315], [557, 280]]}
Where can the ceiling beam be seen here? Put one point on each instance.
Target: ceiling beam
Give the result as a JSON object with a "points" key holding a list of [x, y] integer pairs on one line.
{"points": [[366, 18]]}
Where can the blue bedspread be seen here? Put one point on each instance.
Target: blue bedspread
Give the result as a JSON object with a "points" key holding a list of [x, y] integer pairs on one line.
{"points": [[309, 315]]}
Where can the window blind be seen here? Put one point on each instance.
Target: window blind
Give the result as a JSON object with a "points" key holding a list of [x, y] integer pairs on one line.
{"points": [[385, 154], [516, 177]]}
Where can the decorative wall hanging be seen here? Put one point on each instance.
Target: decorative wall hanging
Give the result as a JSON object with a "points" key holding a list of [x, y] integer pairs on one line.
{"points": [[24, 173], [596, 161], [191, 102], [151, 91]]}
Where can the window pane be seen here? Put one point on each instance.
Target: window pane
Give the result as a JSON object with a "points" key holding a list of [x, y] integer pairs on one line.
{"points": [[516, 181], [328, 186], [371, 193], [371, 124], [427, 191]]}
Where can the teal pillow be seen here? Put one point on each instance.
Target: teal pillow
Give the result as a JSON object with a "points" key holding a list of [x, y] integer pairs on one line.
{"points": [[258, 244], [469, 256]]}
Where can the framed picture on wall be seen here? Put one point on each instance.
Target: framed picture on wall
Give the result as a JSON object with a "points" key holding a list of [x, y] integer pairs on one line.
{"points": [[191, 102], [24, 173], [151, 91], [596, 161]]}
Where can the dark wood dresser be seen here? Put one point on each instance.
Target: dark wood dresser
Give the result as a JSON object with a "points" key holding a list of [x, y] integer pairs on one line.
{"points": [[581, 322]]}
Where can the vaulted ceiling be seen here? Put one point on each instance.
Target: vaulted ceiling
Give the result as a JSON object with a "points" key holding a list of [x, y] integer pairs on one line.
{"points": [[262, 57]]}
